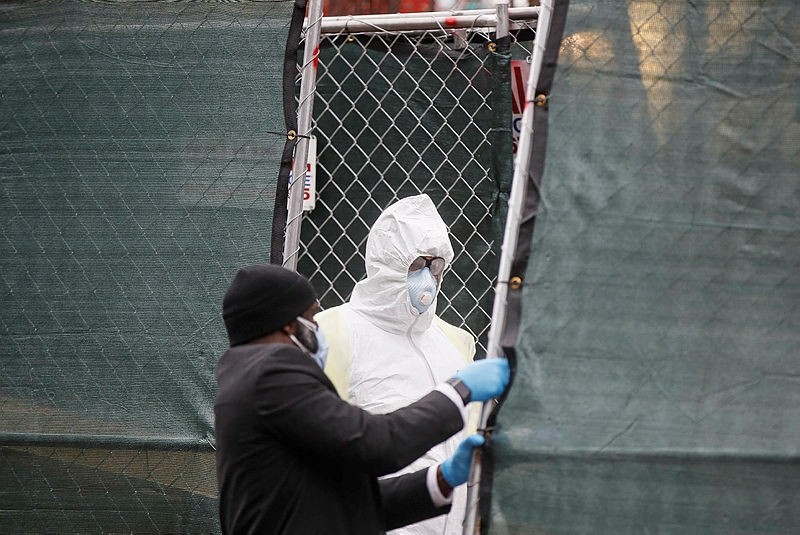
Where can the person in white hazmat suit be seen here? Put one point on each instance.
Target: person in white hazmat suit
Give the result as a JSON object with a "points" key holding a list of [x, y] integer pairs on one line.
{"points": [[387, 345]]}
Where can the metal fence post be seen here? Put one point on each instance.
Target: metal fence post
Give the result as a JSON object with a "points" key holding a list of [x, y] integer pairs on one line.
{"points": [[305, 110], [515, 207]]}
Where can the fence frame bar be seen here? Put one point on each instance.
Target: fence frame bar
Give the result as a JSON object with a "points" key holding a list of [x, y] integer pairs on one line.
{"points": [[516, 204], [434, 20], [305, 110]]}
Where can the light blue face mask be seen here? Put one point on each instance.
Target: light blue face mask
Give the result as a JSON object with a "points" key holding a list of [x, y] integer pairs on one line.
{"points": [[422, 289], [312, 341]]}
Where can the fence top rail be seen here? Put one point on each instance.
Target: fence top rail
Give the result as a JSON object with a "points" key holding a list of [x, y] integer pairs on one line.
{"points": [[434, 20]]}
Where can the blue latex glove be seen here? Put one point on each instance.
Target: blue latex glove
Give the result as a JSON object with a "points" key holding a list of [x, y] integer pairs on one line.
{"points": [[456, 469], [486, 378]]}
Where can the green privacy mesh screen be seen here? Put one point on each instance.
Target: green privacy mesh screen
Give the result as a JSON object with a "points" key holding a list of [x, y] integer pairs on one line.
{"points": [[139, 149], [659, 349]]}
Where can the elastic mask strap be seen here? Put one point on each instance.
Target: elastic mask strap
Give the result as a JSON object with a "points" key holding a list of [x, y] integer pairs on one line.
{"points": [[308, 324], [299, 345]]}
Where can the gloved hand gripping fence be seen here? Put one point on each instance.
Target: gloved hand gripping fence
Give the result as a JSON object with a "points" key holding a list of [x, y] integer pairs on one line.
{"points": [[456, 468], [486, 379]]}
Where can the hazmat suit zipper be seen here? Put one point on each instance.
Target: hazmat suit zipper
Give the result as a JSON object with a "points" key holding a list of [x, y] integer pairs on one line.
{"points": [[419, 351]]}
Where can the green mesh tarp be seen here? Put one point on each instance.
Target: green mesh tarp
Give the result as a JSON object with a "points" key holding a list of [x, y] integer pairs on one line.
{"points": [[658, 379], [140, 144]]}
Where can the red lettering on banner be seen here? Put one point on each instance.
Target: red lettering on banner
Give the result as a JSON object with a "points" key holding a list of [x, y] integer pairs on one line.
{"points": [[518, 86], [307, 183], [519, 75]]}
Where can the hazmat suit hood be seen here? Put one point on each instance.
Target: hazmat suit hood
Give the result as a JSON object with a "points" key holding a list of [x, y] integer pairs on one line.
{"points": [[409, 228]]}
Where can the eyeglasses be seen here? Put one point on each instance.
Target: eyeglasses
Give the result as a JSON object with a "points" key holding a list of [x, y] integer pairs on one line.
{"points": [[436, 265]]}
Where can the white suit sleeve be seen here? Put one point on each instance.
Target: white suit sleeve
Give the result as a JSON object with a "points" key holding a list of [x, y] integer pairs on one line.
{"points": [[438, 499]]}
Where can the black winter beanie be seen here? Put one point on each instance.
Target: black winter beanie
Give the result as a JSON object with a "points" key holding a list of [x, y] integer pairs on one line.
{"points": [[261, 299]]}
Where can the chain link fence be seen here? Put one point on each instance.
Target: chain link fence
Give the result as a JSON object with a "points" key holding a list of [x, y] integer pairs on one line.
{"points": [[63, 489], [398, 113], [139, 148]]}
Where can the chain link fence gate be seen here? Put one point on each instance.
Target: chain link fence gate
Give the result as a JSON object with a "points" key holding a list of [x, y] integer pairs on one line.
{"points": [[426, 109]]}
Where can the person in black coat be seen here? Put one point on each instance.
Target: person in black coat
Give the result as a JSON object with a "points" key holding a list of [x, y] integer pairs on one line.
{"points": [[292, 456]]}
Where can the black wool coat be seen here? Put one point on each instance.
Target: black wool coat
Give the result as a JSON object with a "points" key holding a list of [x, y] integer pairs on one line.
{"points": [[294, 458]]}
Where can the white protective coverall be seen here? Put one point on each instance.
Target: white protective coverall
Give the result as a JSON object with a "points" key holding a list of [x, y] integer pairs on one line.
{"points": [[384, 354]]}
